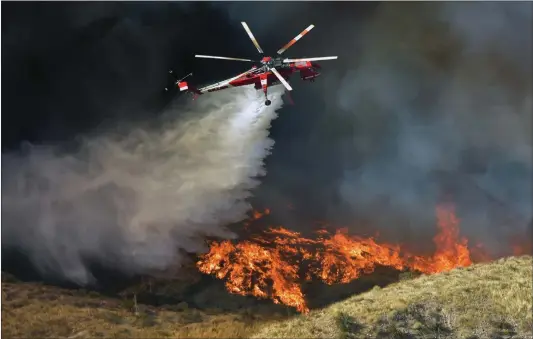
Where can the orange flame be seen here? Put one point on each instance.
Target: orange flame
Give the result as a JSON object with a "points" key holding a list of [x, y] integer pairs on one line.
{"points": [[256, 215], [274, 264], [451, 251], [521, 245]]}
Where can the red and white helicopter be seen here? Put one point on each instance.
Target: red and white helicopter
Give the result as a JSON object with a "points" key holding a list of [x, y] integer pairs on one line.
{"points": [[271, 70]]}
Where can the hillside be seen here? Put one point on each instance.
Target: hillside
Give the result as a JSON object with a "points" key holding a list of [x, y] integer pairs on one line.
{"points": [[482, 300], [491, 300], [32, 310]]}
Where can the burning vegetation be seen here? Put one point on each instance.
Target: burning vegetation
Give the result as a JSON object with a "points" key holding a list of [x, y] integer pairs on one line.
{"points": [[275, 263]]}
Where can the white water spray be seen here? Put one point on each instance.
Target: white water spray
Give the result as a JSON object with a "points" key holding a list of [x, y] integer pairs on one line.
{"points": [[133, 201]]}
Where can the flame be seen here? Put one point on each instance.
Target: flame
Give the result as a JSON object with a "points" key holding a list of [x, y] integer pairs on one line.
{"points": [[256, 215], [521, 245], [451, 250], [274, 263], [479, 253]]}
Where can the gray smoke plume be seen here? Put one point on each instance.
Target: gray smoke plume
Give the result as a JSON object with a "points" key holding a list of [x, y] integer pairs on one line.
{"points": [[441, 101], [133, 200], [427, 101]]}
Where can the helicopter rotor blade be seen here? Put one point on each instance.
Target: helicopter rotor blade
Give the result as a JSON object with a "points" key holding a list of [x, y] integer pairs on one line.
{"points": [[221, 58], [293, 41], [310, 59], [281, 79], [254, 40]]}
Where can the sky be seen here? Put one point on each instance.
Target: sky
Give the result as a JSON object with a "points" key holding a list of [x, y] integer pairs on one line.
{"points": [[425, 100]]}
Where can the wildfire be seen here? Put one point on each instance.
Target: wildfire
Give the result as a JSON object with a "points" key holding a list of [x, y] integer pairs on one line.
{"points": [[521, 245], [451, 250], [276, 262]]}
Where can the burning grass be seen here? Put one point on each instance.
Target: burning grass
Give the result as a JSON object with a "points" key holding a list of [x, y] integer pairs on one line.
{"points": [[491, 300], [275, 263], [453, 297]]}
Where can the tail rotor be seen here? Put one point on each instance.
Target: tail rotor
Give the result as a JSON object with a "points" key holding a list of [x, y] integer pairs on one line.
{"points": [[176, 81]]}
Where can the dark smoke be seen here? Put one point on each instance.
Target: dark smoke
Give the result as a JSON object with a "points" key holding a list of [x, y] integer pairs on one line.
{"points": [[426, 101], [136, 186], [68, 68], [442, 95]]}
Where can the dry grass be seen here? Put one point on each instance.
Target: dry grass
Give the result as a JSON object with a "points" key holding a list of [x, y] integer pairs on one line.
{"points": [[38, 311], [482, 301]]}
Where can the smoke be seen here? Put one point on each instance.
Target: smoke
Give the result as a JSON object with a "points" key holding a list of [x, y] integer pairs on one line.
{"points": [[104, 61], [440, 102], [134, 199], [427, 101]]}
